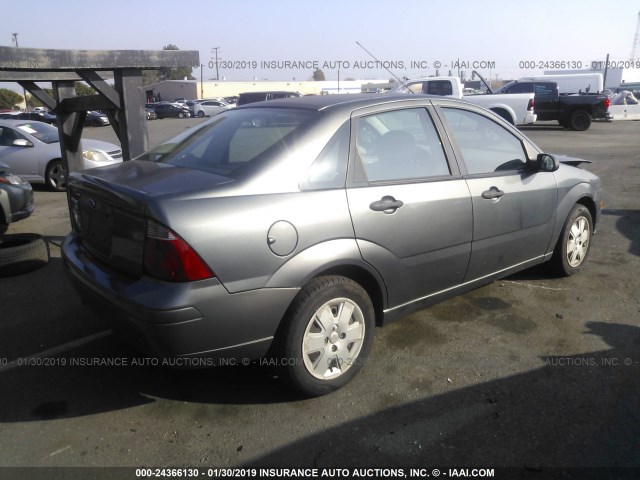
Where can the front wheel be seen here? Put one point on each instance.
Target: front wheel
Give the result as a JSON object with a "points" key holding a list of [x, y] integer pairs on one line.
{"points": [[201, 113], [575, 239], [55, 176], [327, 335]]}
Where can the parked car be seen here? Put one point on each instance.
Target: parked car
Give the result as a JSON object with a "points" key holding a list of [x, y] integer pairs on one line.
{"points": [[251, 97], [96, 119], [39, 116], [32, 151], [209, 108], [171, 110], [16, 198], [291, 228]]}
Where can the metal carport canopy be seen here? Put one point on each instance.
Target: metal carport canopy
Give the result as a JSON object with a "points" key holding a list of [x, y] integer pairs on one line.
{"points": [[123, 102]]}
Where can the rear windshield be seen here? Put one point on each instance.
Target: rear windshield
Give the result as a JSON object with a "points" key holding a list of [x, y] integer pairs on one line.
{"points": [[233, 140]]}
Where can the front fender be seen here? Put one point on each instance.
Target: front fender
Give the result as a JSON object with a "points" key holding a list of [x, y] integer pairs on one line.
{"points": [[584, 193]]}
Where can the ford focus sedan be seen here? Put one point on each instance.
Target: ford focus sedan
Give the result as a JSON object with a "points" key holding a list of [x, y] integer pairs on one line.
{"points": [[291, 228]]}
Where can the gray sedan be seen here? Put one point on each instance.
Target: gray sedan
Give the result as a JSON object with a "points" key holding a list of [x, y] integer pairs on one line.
{"points": [[32, 150], [291, 228]]}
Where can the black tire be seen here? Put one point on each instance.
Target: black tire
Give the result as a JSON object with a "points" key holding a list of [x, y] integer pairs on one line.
{"points": [[180, 115], [579, 120], [3, 227], [574, 243], [201, 114], [317, 359], [55, 176], [21, 253]]}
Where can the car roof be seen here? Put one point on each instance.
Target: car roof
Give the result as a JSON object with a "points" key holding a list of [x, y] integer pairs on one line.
{"points": [[348, 102]]}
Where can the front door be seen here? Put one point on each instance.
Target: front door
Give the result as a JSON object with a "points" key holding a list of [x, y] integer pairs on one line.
{"points": [[513, 206]]}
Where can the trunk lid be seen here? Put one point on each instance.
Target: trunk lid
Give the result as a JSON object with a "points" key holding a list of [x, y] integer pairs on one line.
{"points": [[110, 206]]}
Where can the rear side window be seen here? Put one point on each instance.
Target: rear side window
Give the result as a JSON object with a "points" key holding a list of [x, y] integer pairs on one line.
{"points": [[400, 145], [236, 139], [329, 170]]}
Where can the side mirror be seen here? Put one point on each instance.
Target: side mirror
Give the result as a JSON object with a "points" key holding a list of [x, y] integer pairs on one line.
{"points": [[22, 142], [546, 163]]}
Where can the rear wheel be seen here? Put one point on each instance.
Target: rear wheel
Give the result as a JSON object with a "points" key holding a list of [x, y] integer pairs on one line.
{"points": [[575, 239], [327, 335], [201, 113], [55, 176], [579, 120]]}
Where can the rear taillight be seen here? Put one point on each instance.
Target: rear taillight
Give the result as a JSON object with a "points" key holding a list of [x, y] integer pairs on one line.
{"points": [[531, 105], [607, 102], [169, 257]]}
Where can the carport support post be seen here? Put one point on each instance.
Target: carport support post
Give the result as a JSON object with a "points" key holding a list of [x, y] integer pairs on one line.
{"points": [[70, 127], [131, 125]]}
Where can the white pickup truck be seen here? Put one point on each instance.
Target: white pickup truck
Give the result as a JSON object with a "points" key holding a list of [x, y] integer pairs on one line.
{"points": [[514, 108]]}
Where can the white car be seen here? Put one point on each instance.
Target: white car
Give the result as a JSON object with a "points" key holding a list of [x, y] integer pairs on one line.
{"points": [[208, 108], [32, 151]]}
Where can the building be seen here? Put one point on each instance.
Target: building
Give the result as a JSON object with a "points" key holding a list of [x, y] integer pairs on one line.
{"points": [[169, 90]]}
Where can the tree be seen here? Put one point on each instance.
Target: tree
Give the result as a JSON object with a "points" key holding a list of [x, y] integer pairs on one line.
{"points": [[318, 75], [83, 90], [9, 99], [174, 73], [150, 77]]}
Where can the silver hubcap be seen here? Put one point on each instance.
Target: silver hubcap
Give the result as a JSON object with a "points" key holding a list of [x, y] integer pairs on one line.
{"points": [[333, 338], [57, 176], [578, 241]]}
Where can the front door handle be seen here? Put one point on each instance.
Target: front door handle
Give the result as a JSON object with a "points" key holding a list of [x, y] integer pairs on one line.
{"points": [[492, 194], [386, 204]]}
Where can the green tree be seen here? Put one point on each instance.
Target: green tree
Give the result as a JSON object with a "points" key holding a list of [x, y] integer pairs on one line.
{"points": [[9, 99], [174, 73], [318, 75], [150, 77], [83, 90]]}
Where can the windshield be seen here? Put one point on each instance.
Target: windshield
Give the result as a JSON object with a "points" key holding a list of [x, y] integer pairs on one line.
{"points": [[42, 131], [232, 140]]}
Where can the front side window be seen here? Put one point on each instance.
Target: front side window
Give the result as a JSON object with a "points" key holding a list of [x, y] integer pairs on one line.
{"points": [[486, 146], [400, 145]]}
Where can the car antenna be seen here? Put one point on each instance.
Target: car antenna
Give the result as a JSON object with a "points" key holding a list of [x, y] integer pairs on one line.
{"points": [[381, 63]]}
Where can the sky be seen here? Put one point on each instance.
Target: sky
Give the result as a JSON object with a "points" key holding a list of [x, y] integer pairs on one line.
{"points": [[504, 39]]}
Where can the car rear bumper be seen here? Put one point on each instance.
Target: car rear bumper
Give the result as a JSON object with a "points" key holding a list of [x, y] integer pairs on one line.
{"points": [[16, 201], [188, 320]]}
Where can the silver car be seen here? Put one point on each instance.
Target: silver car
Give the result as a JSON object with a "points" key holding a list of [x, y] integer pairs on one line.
{"points": [[32, 151], [291, 228]]}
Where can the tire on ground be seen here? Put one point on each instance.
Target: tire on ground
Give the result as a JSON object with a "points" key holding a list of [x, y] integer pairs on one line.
{"points": [[574, 243], [21, 253], [326, 335], [579, 120]]}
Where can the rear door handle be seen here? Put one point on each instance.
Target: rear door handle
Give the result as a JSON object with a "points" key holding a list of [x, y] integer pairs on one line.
{"points": [[386, 204], [492, 194]]}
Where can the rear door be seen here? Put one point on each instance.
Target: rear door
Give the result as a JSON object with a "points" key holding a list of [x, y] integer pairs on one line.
{"points": [[513, 206], [410, 207]]}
